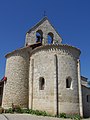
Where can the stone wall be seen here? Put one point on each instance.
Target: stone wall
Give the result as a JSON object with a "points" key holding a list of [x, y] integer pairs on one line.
{"points": [[68, 97], [46, 28], [16, 86], [44, 65]]}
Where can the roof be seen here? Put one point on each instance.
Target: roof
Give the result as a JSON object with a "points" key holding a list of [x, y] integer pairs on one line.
{"points": [[84, 78], [39, 23], [23, 48], [86, 86]]}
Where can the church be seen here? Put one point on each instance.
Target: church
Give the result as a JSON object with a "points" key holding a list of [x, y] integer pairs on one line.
{"points": [[45, 75]]}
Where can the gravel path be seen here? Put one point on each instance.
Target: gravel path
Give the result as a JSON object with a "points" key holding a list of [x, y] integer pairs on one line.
{"points": [[28, 117], [2, 117]]}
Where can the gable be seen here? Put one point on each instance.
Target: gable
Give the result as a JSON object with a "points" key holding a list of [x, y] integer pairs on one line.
{"points": [[46, 28]]}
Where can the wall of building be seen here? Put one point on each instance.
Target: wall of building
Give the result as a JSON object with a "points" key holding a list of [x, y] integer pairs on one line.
{"points": [[44, 65], [68, 97], [86, 101], [16, 86]]}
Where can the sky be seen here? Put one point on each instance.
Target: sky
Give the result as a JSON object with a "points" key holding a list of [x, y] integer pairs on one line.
{"points": [[71, 18]]}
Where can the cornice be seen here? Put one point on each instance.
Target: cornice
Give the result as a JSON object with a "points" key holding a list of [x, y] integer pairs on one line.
{"points": [[60, 47]]}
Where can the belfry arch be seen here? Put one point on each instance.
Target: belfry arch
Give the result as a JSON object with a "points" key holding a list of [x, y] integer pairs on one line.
{"points": [[39, 36], [50, 37]]}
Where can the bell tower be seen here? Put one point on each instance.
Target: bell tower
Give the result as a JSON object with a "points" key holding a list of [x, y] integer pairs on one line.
{"points": [[44, 33]]}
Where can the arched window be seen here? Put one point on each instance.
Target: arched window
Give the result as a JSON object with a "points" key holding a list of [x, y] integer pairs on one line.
{"points": [[41, 83], [68, 82], [50, 38], [39, 36]]}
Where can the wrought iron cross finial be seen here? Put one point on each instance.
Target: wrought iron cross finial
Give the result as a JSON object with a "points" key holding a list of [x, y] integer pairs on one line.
{"points": [[44, 13]]}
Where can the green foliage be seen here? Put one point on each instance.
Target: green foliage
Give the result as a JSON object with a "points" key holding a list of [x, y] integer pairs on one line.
{"points": [[9, 110], [18, 109], [62, 115], [12, 110], [25, 111], [36, 112], [28, 111], [76, 117], [43, 113]]}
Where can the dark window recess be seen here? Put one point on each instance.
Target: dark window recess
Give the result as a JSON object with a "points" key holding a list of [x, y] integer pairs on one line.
{"points": [[68, 82], [41, 83]]}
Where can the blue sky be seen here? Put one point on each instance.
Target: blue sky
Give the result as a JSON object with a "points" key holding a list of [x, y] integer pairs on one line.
{"points": [[71, 18]]}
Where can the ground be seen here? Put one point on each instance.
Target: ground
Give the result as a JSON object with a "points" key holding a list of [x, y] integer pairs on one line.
{"points": [[28, 117]]}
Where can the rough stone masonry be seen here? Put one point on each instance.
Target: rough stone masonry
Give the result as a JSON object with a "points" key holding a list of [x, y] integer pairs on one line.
{"points": [[45, 74]]}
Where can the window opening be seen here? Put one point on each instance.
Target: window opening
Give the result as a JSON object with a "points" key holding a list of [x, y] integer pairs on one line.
{"points": [[68, 82], [50, 38], [88, 98], [41, 83], [39, 36]]}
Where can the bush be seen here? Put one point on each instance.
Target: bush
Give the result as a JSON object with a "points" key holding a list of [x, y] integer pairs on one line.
{"points": [[43, 113], [62, 115], [25, 110], [36, 112], [9, 110], [18, 109], [32, 111], [76, 117]]}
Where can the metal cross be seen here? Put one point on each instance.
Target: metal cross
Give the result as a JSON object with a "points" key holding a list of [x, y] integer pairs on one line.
{"points": [[44, 13]]}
